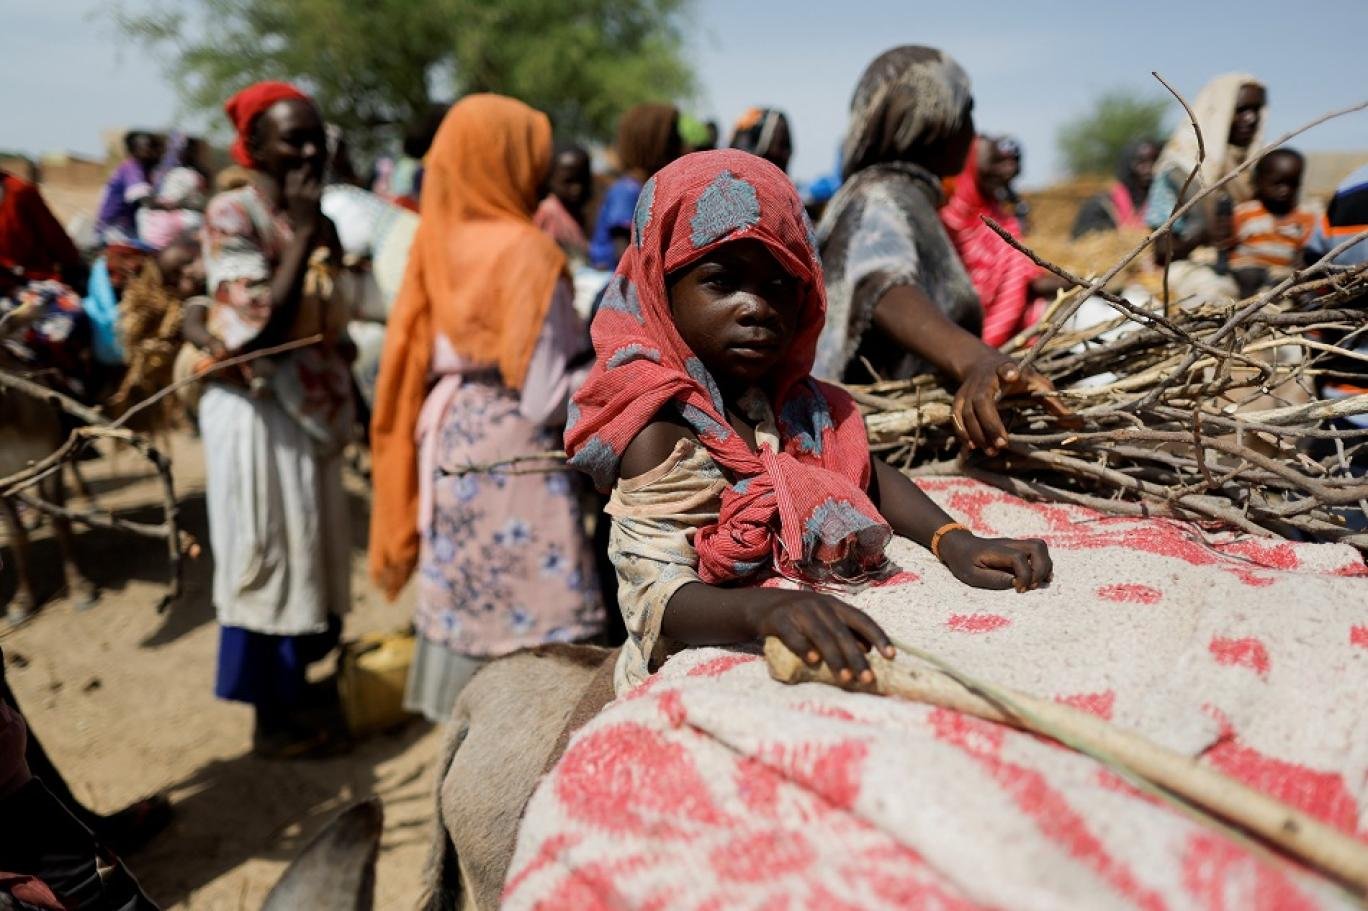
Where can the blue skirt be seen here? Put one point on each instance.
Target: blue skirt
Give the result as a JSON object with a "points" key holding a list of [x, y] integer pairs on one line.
{"points": [[267, 670]]}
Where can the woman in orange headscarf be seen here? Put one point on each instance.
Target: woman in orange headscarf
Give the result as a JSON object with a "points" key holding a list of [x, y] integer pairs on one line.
{"points": [[486, 310]]}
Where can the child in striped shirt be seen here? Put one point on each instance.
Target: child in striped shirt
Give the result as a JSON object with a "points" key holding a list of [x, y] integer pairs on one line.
{"points": [[1270, 230]]}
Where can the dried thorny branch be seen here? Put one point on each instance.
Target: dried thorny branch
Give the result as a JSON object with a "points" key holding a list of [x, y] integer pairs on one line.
{"points": [[1175, 414], [95, 425], [1052, 327]]}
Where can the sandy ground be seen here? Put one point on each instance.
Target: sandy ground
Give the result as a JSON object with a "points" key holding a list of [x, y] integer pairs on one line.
{"points": [[122, 698]]}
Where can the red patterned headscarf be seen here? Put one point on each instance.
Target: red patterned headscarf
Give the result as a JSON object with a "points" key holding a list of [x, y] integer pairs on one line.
{"points": [[802, 510], [249, 104]]}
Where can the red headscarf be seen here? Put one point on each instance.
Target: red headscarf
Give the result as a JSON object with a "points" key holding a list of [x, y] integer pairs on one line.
{"points": [[803, 509], [249, 104], [1001, 276]]}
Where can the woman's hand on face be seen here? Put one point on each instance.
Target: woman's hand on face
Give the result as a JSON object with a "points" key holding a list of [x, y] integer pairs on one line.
{"points": [[303, 198], [997, 563], [819, 628], [975, 412]]}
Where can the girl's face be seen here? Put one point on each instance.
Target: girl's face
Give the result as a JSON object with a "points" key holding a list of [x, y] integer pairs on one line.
{"points": [[737, 310]]}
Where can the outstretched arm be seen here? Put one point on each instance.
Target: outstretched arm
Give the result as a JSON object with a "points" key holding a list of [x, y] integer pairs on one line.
{"points": [[985, 375], [814, 625], [994, 563]]}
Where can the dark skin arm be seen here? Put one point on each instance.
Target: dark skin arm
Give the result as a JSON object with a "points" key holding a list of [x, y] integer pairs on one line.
{"points": [[992, 563], [813, 625], [196, 331], [985, 375], [817, 626]]}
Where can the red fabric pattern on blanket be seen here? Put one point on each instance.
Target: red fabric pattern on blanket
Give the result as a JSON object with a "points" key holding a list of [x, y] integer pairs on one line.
{"points": [[1056, 819], [802, 509]]}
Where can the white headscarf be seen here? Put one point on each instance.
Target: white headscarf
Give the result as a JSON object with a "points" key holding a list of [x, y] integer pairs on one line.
{"points": [[1215, 111]]}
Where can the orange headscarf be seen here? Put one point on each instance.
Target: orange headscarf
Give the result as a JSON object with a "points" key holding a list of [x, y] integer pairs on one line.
{"points": [[479, 272]]}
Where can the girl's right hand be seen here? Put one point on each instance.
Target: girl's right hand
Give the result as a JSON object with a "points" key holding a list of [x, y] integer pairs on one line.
{"points": [[819, 628]]}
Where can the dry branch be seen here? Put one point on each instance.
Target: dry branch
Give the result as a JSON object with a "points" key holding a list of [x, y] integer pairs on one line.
{"points": [[96, 425]]}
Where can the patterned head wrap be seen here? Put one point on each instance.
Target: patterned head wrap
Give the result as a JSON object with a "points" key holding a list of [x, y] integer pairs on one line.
{"points": [[908, 98]]}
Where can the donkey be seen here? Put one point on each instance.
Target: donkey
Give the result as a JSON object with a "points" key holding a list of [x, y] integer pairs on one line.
{"points": [[31, 430], [509, 726]]}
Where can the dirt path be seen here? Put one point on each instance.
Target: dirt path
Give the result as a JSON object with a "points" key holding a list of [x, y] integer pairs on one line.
{"points": [[123, 700]]}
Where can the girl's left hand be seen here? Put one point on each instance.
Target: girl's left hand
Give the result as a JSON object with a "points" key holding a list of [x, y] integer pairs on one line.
{"points": [[997, 563]]}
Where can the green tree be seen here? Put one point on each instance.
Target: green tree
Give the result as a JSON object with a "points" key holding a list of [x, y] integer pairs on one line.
{"points": [[374, 62], [1092, 143]]}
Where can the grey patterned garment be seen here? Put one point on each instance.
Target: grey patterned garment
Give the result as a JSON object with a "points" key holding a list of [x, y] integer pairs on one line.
{"points": [[882, 230], [879, 232]]}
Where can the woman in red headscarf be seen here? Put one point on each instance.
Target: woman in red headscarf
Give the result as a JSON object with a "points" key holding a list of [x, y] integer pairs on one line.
{"points": [[279, 521], [42, 274], [1006, 280], [729, 464], [33, 244]]}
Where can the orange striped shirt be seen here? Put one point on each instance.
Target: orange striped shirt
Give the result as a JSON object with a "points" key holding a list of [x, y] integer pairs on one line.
{"points": [[1265, 240]]}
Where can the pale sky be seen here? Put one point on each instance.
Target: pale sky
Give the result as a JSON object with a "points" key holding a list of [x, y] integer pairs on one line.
{"points": [[1033, 65]]}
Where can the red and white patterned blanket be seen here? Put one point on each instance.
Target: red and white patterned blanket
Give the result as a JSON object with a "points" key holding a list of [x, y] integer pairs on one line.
{"points": [[712, 787]]}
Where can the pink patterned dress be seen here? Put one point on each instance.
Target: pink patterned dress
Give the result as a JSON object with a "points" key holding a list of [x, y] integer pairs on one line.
{"points": [[503, 562]]}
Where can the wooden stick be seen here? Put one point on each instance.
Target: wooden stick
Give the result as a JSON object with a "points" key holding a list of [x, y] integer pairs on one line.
{"points": [[1319, 845]]}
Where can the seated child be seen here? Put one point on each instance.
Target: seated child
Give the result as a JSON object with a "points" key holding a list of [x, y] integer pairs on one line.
{"points": [[1270, 230], [728, 463]]}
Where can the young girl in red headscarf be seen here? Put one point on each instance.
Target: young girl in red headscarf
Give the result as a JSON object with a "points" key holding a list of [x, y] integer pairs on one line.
{"points": [[728, 463]]}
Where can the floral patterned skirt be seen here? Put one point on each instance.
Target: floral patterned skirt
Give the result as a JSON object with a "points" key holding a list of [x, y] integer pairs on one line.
{"points": [[504, 562]]}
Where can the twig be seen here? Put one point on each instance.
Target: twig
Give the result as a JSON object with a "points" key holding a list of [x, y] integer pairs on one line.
{"points": [[199, 376], [557, 456], [1192, 175]]}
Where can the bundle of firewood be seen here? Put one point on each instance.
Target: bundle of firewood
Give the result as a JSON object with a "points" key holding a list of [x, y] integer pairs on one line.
{"points": [[1212, 410], [150, 326], [1209, 414]]}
